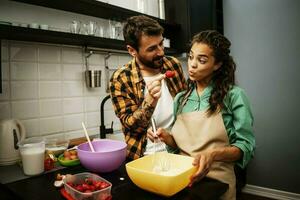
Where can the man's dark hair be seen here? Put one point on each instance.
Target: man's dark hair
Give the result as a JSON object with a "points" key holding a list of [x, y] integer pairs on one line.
{"points": [[135, 26]]}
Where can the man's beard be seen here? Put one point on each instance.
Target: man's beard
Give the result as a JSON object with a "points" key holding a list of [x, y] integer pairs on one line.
{"points": [[155, 63]]}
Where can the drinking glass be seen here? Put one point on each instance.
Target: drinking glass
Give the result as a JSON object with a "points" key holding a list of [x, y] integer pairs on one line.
{"points": [[75, 26], [91, 28]]}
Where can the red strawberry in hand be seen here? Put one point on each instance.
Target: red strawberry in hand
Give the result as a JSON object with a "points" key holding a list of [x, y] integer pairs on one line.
{"points": [[170, 74]]}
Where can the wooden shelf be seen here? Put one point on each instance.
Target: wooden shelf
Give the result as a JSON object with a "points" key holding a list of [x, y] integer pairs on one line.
{"points": [[47, 36]]}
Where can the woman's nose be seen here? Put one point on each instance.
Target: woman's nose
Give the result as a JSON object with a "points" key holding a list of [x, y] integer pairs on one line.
{"points": [[193, 63]]}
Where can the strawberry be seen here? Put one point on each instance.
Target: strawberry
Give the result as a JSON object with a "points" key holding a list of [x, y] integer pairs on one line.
{"points": [[79, 188], [170, 74], [85, 186]]}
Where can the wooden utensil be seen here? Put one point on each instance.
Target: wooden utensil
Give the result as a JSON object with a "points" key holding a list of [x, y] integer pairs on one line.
{"points": [[87, 137]]}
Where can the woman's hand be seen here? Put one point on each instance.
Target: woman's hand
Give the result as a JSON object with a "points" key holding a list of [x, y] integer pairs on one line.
{"points": [[163, 135], [150, 134], [166, 137], [203, 162]]}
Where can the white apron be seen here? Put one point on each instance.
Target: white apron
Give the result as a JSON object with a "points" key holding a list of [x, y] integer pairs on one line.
{"points": [[195, 132]]}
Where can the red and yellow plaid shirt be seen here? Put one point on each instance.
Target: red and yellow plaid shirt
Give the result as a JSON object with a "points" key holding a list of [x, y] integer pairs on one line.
{"points": [[127, 94]]}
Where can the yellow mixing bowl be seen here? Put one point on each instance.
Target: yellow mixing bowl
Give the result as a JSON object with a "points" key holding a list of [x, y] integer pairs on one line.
{"points": [[167, 183]]}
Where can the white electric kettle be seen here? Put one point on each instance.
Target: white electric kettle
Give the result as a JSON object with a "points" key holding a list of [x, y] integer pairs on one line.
{"points": [[11, 132]]}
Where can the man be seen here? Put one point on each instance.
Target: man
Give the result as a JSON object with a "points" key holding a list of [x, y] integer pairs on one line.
{"points": [[136, 93]]}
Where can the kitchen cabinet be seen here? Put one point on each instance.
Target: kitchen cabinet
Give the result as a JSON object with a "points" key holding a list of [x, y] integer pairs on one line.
{"points": [[193, 16], [87, 7]]}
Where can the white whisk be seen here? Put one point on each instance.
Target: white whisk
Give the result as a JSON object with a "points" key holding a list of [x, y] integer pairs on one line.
{"points": [[161, 162]]}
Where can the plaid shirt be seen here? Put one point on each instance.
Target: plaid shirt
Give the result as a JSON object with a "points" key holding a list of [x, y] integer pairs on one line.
{"points": [[127, 94]]}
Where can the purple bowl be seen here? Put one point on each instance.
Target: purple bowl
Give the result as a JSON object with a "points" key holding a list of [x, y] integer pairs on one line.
{"points": [[108, 156]]}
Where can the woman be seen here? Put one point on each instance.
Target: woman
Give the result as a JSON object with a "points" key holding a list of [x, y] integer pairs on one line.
{"points": [[213, 117]]}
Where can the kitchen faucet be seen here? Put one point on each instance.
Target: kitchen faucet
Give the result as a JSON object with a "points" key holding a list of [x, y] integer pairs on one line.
{"points": [[103, 129]]}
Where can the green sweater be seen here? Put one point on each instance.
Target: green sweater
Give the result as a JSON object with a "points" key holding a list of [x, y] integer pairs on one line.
{"points": [[237, 117]]}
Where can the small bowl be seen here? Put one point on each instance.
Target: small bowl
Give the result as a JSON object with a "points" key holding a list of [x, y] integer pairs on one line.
{"points": [[108, 156], [67, 163], [143, 173]]}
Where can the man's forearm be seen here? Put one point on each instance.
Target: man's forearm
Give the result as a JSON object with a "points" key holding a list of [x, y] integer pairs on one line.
{"points": [[144, 113]]}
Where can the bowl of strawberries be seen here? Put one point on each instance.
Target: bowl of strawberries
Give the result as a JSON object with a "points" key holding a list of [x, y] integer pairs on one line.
{"points": [[87, 186]]}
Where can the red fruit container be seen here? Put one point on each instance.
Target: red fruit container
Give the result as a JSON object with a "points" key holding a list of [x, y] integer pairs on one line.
{"points": [[80, 179]]}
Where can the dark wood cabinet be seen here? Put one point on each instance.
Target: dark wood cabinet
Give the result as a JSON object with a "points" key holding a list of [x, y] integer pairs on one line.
{"points": [[87, 7], [184, 18], [193, 16]]}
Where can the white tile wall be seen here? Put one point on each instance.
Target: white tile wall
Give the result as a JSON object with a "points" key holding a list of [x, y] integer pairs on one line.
{"points": [[92, 119], [72, 72], [23, 52], [50, 54], [72, 55], [51, 107], [5, 111], [24, 90], [25, 109], [51, 125], [123, 59], [92, 103], [96, 59], [24, 71], [73, 122], [72, 88], [44, 87], [95, 91], [50, 71], [5, 91], [48, 89], [5, 70], [73, 105], [32, 127], [113, 61], [4, 51]]}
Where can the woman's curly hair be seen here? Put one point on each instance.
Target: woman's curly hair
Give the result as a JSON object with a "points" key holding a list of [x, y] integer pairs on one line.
{"points": [[223, 78]]}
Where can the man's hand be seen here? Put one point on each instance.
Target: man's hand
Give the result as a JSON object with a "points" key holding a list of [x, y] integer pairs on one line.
{"points": [[154, 92], [154, 89]]}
